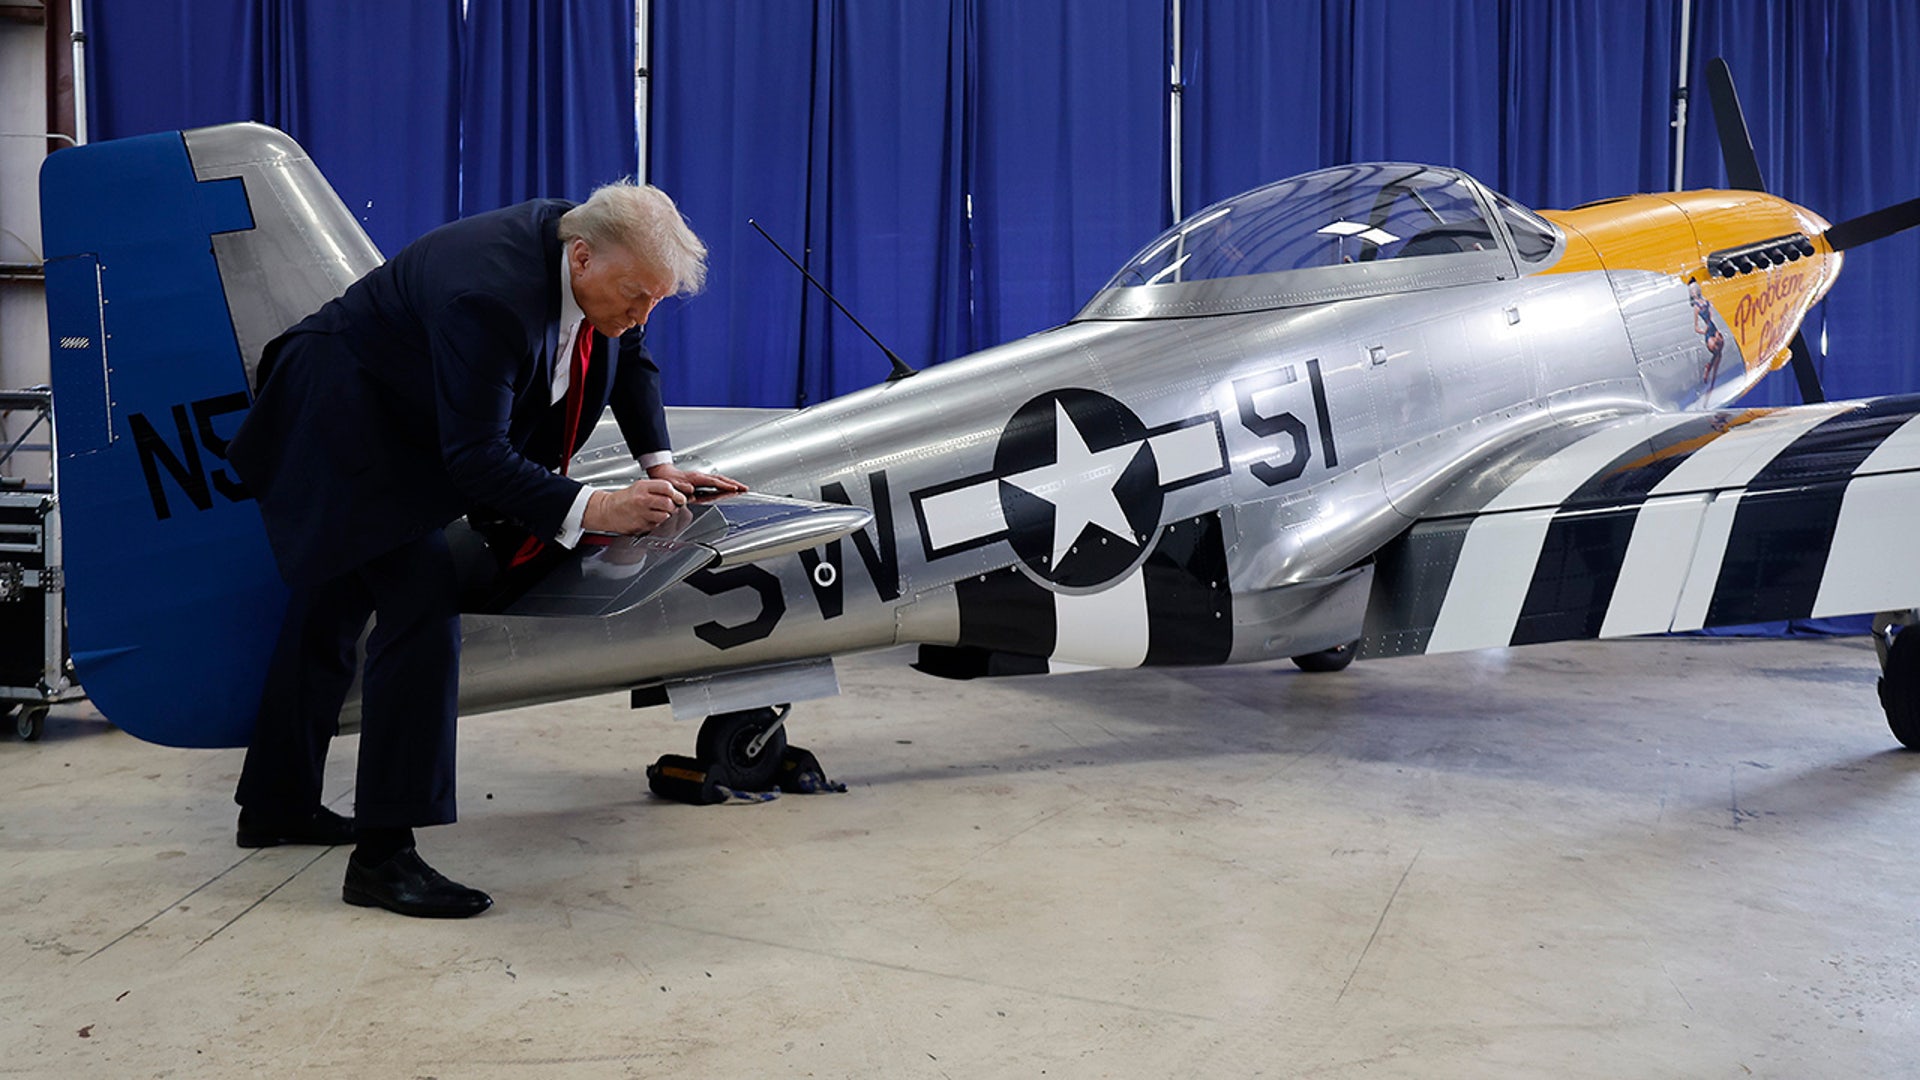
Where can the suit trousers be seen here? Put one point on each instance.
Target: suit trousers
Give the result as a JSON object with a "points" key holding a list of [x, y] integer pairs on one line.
{"points": [[409, 696]]}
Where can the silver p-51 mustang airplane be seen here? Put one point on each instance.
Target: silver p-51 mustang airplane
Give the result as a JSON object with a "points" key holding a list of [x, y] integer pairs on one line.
{"points": [[1375, 409]]}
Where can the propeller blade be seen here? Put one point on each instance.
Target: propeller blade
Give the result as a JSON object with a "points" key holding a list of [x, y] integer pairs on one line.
{"points": [[1811, 392], [1867, 228], [1736, 146]]}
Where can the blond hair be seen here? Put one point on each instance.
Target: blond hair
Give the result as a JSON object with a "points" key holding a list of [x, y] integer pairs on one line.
{"points": [[642, 220]]}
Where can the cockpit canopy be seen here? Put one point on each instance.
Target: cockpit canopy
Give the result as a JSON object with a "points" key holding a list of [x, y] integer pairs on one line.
{"points": [[1353, 230]]}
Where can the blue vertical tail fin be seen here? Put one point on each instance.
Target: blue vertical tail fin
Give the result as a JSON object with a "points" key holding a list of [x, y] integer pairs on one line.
{"points": [[172, 259]]}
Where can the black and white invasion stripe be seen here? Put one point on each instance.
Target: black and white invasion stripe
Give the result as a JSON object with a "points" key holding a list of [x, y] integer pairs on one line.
{"points": [[1175, 608], [1669, 522]]}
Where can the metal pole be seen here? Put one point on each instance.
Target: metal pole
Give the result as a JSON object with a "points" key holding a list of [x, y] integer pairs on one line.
{"points": [[1680, 98], [1174, 91], [642, 73], [79, 75]]}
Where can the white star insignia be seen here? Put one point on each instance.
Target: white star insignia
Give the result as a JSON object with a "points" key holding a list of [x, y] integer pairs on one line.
{"points": [[1079, 484]]}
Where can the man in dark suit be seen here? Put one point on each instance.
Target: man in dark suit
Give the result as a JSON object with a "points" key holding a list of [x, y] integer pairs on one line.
{"points": [[458, 376]]}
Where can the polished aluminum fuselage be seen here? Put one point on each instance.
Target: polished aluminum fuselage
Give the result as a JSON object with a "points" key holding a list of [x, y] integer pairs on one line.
{"points": [[1419, 388], [1344, 403]]}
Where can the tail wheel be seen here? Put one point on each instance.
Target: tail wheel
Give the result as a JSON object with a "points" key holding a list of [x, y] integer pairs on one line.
{"points": [[1900, 689], [1334, 659], [727, 740]]}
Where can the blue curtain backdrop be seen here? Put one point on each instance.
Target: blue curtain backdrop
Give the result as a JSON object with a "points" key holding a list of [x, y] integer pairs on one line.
{"points": [[1555, 102], [1597, 76], [1872, 150], [1069, 173], [952, 171], [969, 171], [730, 115], [546, 100], [845, 147], [1425, 83], [369, 88], [416, 114], [886, 213], [337, 97], [965, 172]]}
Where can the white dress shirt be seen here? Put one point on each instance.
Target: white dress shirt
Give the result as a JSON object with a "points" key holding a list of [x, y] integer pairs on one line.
{"points": [[572, 324]]}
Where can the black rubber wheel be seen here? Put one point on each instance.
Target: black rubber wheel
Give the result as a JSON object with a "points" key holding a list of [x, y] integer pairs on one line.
{"points": [[1334, 659], [31, 722], [723, 741], [1900, 689]]}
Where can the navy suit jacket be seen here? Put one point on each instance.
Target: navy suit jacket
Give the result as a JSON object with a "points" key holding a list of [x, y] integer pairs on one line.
{"points": [[425, 391]]}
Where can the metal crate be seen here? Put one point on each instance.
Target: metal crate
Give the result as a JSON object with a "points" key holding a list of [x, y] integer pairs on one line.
{"points": [[34, 669]]}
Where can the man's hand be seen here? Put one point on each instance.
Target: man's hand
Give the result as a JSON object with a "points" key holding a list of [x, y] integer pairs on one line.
{"points": [[635, 508], [685, 481]]}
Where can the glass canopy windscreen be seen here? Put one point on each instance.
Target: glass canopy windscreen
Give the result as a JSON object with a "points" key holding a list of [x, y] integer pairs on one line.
{"points": [[1350, 214]]}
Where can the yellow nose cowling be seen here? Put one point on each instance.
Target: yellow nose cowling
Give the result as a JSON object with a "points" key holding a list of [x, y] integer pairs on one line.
{"points": [[1761, 261]]}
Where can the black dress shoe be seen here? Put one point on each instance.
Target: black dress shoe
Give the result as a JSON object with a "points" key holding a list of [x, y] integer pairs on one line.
{"points": [[404, 883], [323, 827]]}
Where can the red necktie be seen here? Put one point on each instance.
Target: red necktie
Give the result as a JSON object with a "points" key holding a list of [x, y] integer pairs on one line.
{"points": [[574, 403], [576, 393]]}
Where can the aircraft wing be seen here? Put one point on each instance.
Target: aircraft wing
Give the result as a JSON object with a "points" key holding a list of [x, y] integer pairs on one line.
{"points": [[610, 578], [1653, 523]]}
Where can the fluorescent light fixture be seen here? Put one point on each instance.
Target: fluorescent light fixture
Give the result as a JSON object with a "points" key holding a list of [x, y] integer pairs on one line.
{"points": [[1368, 233]]}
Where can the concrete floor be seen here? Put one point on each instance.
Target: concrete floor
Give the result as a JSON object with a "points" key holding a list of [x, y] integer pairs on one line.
{"points": [[1639, 859]]}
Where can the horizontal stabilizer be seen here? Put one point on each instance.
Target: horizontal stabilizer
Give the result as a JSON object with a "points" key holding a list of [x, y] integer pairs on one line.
{"points": [[616, 577]]}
